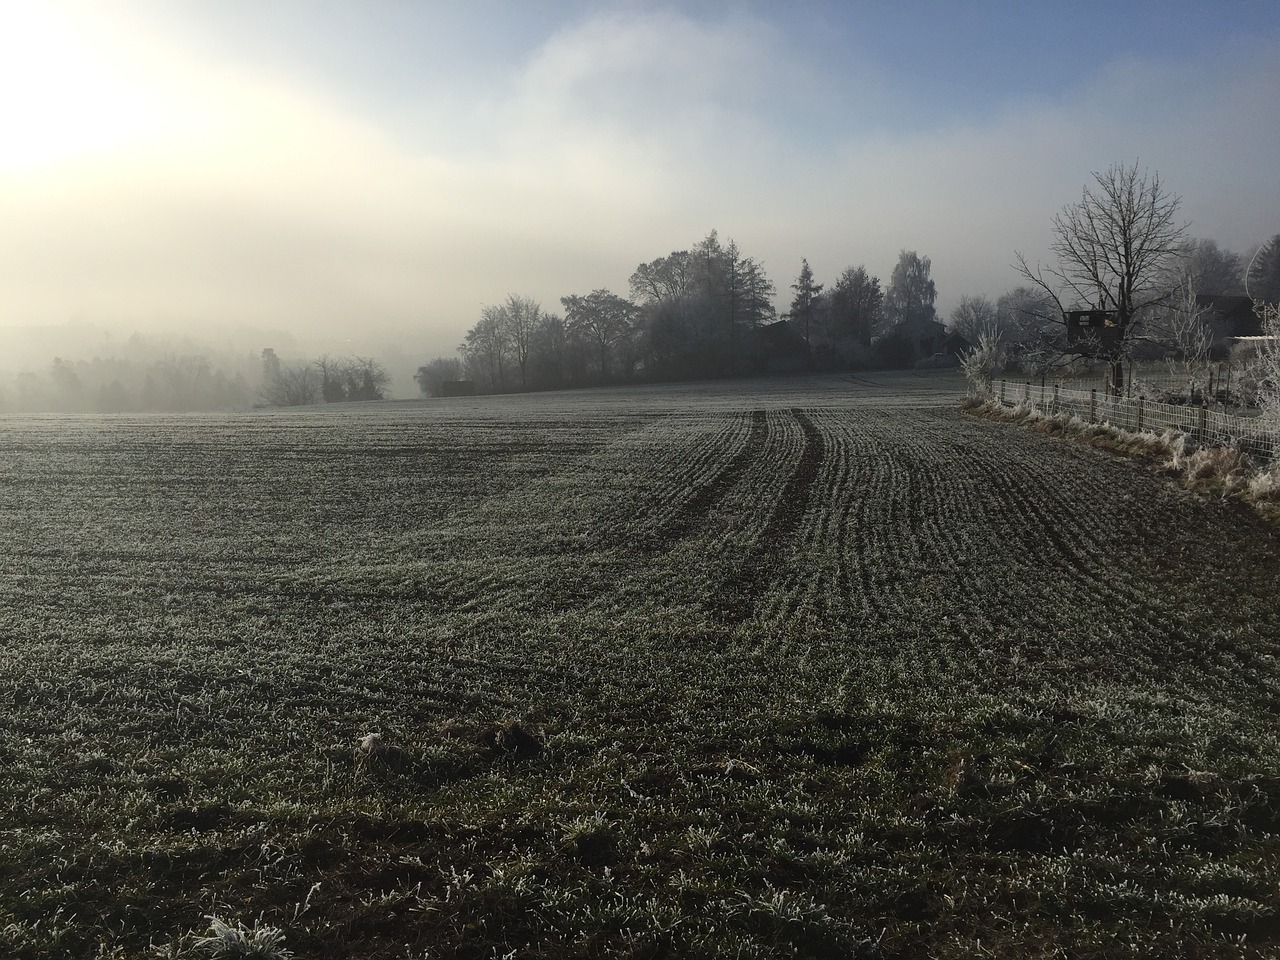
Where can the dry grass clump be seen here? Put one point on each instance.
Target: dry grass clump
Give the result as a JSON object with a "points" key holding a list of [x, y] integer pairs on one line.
{"points": [[1264, 492], [1264, 487], [1221, 468]]}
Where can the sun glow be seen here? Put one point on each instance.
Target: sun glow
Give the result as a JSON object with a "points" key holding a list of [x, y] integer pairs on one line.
{"points": [[68, 90]]}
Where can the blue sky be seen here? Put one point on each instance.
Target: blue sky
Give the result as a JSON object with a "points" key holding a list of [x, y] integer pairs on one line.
{"points": [[387, 167]]}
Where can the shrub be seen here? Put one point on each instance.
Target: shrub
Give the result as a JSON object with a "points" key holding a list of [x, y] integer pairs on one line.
{"points": [[983, 362], [1266, 368]]}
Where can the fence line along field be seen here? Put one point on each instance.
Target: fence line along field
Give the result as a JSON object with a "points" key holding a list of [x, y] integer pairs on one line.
{"points": [[819, 668]]}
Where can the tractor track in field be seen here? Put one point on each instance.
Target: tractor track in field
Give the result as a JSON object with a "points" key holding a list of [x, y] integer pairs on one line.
{"points": [[736, 599], [692, 511]]}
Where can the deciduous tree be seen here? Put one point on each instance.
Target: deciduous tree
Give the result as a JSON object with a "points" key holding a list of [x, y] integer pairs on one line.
{"points": [[520, 317], [293, 384], [974, 317], [908, 304], [432, 376], [603, 319], [911, 294], [1112, 247], [1212, 271], [486, 351], [856, 302], [1189, 335]]}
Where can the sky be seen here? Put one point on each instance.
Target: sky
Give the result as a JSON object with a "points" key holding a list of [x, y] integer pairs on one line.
{"points": [[372, 173]]}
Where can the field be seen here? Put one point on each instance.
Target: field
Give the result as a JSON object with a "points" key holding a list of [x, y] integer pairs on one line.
{"points": [[818, 668]]}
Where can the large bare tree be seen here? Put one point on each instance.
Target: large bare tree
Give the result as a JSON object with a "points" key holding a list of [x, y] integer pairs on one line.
{"points": [[1112, 247], [974, 318], [521, 317]]}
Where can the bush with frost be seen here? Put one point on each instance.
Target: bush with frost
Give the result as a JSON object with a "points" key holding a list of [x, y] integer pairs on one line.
{"points": [[983, 362]]}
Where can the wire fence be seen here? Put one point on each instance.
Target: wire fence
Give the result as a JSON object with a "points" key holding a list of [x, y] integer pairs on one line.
{"points": [[1137, 414], [1218, 384]]}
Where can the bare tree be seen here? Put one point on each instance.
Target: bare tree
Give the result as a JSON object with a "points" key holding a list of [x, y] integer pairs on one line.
{"points": [[908, 302], [604, 320], [1215, 272], [667, 278], [366, 379], [975, 317], [332, 374], [1112, 246], [351, 378], [486, 351], [520, 318], [1189, 335], [292, 385], [1030, 322]]}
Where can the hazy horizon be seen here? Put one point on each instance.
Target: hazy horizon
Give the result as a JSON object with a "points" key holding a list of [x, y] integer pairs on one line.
{"points": [[372, 175]]}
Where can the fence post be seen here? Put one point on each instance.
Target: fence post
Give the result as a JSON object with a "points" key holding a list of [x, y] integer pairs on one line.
{"points": [[1026, 394], [1055, 398], [1093, 405], [1200, 417], [1002, 393], [1140, 402]]}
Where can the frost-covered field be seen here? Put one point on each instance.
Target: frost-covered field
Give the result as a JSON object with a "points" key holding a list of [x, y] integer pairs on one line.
{"points": [[819, 667]]}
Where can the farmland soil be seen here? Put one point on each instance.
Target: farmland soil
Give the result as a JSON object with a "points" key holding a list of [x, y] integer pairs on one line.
{"points": [[816, 667]]}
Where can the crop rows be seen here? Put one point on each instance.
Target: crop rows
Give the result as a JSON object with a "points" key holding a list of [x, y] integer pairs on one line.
{"points": [[827, 668]]}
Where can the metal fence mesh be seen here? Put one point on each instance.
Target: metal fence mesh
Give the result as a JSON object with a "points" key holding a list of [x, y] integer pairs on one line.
{"points": [[1139, 415]]}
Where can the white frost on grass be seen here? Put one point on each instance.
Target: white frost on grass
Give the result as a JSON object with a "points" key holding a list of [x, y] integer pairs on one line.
{"points": [[227, 942]]}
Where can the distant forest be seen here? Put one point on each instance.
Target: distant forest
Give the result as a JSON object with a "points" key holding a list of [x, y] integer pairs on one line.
{"points": [[700, 313], [139, 375], [159, 375], [707, 312]]}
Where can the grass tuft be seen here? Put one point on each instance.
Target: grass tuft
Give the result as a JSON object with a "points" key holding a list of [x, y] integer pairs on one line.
{"points": [[238, 942]]}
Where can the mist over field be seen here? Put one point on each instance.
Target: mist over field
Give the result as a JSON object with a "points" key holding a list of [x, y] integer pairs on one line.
{"points": [[319, 181]]}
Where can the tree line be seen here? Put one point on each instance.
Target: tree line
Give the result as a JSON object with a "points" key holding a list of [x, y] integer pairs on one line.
{"points": [[698, 313], [707, 311], [328, 379], [149, 376], [177, 382]]}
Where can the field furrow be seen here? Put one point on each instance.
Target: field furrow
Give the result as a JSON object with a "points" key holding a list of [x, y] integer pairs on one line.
{"points": [[813, 667]]}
